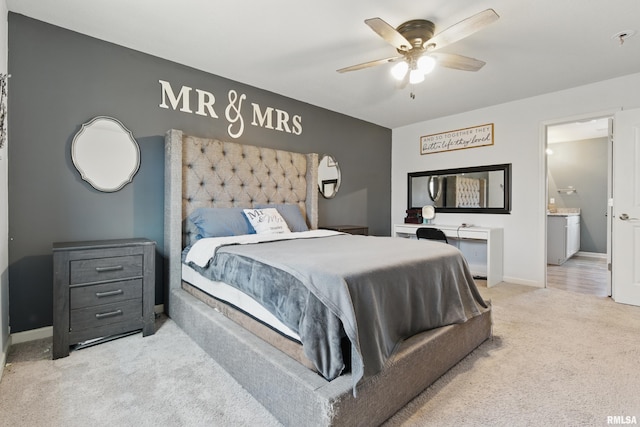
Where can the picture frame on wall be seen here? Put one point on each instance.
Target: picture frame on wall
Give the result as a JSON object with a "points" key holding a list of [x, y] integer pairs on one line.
{"points": [[459, 139]]}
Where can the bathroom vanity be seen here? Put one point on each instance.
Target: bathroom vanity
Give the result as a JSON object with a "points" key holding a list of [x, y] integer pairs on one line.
{"points": [[563, 236]]}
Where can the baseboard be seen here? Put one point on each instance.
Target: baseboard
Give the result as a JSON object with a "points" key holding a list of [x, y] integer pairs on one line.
{"points": [[47, 331], [3, 356], [518, 281], [592, 255], [31, 335]]}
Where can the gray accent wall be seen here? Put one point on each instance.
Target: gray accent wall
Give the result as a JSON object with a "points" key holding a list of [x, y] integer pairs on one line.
{"points": [[583, 165], [62, 79]]}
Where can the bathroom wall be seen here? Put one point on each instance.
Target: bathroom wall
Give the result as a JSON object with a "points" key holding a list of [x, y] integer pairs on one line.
{"points": [[583, 165]]}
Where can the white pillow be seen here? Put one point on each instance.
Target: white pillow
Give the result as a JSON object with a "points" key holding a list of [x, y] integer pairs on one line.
{"points": [[266, 221]]}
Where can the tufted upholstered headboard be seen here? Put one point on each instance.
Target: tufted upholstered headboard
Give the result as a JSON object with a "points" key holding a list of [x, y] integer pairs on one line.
{"points": [[204, 172], [466, 192]]}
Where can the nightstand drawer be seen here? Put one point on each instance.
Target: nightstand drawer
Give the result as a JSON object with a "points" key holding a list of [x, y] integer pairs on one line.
{"points": [[100, 269], [105, 293], [106, 314]]}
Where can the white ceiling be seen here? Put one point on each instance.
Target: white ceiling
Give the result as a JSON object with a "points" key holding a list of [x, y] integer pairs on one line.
{"points": [[579, 130], [294, 48]]}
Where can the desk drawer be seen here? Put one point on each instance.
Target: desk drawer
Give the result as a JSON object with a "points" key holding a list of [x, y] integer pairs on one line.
{"points": [[105, 293], [100, 269], [106, 314]]}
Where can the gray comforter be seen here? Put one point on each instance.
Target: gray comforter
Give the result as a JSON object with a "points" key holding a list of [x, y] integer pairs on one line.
{"points": [[377, 291]]}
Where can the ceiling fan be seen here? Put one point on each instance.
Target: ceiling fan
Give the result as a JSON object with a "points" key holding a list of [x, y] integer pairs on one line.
{"points": [[416, 43]]}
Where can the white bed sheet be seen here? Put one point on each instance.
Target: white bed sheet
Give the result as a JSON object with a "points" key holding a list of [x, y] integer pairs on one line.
{"points": [[202, 250], [231, 295]]}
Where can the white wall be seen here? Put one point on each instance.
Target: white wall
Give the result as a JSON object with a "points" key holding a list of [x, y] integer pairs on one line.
{"points": [[517, 140], [4, 190]]}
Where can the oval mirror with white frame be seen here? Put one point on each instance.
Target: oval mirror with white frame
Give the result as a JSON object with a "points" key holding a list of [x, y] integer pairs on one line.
{"points": [[105, 153], [328, 176]]}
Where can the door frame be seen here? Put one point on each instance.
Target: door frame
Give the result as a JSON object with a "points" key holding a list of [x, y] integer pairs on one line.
{"points": [[544, 184]]}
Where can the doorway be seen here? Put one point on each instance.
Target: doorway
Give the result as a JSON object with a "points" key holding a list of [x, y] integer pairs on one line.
{"points": [[578, 193]]}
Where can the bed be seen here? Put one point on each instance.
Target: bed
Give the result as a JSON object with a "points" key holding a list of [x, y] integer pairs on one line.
{"points": [[204, 175]]}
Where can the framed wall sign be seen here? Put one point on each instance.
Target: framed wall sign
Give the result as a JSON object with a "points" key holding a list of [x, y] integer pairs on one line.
{"points": [[459, 139]]}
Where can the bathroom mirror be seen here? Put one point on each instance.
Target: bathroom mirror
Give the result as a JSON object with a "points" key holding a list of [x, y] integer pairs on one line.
{"points": [[477, 189], [328, 176], [105, 153]]}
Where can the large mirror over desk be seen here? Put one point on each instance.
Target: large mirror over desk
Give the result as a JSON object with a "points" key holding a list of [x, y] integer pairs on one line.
{"points": [[476, 189]]}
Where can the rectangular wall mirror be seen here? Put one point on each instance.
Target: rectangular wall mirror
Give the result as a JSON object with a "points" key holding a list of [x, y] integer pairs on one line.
{"points": [[477, 189]]}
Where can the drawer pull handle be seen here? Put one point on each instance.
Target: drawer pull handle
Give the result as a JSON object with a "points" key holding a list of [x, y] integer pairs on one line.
{"points": [[110, 268], [108, 314], [109, 293]]}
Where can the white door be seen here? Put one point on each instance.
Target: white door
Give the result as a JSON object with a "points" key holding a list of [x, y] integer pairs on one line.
{"points": [[626, 208], [609, 203]]}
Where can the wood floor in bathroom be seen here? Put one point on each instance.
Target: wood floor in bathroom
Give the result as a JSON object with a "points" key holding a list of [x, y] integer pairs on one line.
{"points": [[586, 275]]}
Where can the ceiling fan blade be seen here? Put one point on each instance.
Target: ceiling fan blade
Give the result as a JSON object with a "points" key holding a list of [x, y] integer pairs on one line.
{"points": [[462, 29], [369, 64], [387, 32], [457, 62]]}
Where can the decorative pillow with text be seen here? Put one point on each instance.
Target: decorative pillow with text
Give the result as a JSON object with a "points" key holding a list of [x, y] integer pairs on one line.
{"points": [[266, 221]]}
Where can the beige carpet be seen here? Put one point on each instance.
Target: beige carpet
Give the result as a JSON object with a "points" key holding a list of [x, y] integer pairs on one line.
{"points": [[556, 359]]}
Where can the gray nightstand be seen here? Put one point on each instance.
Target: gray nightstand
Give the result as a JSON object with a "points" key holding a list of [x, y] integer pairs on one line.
{"points": [[101, 289]]}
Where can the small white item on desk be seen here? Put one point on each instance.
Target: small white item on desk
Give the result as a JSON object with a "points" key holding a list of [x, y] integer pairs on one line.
{"points": [[428, 213]]}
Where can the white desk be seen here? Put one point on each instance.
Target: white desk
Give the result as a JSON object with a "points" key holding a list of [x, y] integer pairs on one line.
{"points": [[484, 260]]}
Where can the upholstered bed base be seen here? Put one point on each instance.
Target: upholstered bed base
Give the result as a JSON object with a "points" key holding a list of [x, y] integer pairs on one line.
{"points": [[297, 396]]}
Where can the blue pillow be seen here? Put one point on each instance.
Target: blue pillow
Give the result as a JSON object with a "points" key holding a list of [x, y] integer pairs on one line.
{"points": [[292, 215], [190, 232], [220, 222]]}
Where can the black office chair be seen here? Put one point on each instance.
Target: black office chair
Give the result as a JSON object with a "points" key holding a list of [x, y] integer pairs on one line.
{"points": [[431, 233]]}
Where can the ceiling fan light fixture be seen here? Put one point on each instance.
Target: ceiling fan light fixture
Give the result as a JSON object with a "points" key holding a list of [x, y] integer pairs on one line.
{"points": [[399, 70], [416, 76], [426, 64]]}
